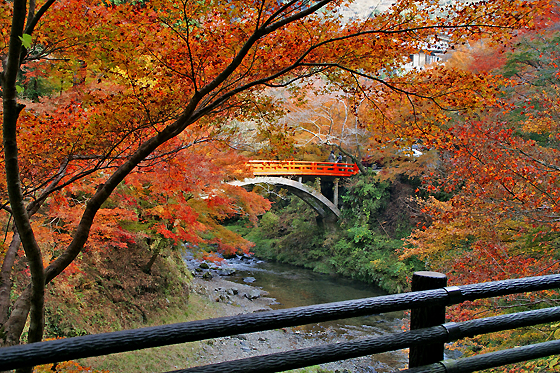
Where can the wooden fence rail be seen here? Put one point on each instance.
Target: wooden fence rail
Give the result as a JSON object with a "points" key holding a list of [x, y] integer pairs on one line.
{"points": [[129, 340]]}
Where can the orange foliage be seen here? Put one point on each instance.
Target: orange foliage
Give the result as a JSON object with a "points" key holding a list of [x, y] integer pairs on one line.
{"points": [[496, 215], [133, 87], [67, 366], [185, 198]]}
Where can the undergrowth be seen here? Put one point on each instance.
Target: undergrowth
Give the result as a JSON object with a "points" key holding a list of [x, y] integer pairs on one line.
{"points": [[111, 292], [363, 245]]}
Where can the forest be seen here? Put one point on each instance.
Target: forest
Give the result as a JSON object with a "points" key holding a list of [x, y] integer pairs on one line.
{"points": [[123, 121]]}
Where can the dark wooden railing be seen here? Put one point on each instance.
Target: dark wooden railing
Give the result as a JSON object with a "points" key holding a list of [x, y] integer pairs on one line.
{"points": [[428, 331]]}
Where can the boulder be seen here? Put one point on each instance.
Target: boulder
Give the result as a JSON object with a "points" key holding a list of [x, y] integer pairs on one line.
{"points": [[253, 294]]}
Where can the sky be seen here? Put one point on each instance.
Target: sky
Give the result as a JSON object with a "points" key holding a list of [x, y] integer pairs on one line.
{"points": [[365, 7]]}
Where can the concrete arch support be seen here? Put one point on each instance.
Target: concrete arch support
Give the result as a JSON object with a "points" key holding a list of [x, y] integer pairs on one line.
{"points": [[325, 208]]}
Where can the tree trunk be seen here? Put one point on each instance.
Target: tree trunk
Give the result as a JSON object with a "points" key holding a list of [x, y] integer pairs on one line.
{"points": [[5, 278], [147, 268], [32, 301], [11, 113], [17, 320], [354, 159], [18, 317]]}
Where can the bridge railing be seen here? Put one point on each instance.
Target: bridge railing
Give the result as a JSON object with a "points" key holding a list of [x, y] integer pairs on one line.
{"points": [[426, 306], [286, 168]]}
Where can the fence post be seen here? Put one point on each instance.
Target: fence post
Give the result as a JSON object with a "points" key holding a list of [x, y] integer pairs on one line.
{"points": [[426, 317]]}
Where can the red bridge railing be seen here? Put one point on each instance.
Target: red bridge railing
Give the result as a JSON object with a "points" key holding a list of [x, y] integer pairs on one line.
{"points": [[276, 168]]}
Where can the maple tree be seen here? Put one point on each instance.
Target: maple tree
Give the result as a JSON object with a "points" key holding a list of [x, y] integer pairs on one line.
{"points": [[501, 167], [130, 81], [496, 182], [493, 176], [183, 201], [329, 122]]}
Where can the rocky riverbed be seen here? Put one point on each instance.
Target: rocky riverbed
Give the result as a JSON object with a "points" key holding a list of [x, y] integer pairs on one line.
{"points": [[234, 298]]}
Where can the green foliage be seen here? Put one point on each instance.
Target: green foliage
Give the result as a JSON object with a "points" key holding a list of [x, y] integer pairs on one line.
{"points": [[26, 40], [312, 369], [359, 246], [269, 225], [289, 235], [32, 85], [119, 2], [364, 199], [374, 262], [59, 324]]}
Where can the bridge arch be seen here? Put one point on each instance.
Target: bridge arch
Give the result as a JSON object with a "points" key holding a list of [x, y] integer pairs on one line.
{"points": [[325, 208]]}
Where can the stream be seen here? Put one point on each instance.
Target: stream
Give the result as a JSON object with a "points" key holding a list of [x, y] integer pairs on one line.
{"points": [[292, 286]]}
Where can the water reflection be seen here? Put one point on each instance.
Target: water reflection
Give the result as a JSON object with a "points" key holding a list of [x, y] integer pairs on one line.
{"points": [[294, 287]]}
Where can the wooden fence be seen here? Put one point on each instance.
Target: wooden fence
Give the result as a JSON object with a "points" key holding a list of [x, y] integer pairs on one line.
{"points": [[429, 331]]}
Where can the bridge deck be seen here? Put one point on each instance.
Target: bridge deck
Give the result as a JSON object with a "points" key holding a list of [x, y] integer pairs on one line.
{"points": [[286, 168]]}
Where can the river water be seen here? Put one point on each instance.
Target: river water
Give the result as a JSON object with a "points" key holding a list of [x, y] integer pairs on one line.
{"points": [[293, 286]]}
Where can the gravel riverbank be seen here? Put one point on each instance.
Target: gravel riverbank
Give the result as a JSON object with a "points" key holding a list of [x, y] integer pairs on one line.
{"points": [[233, 299]]}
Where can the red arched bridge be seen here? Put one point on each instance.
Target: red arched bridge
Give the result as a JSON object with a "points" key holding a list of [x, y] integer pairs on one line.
{"points": [[294, 168], [276, 173]]}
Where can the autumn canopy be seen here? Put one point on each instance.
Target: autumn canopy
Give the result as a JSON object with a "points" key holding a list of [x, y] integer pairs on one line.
{"points": [[119, 117]]}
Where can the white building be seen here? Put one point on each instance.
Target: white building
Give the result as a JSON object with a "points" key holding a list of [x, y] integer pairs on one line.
{"points": [[433, 53]]}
